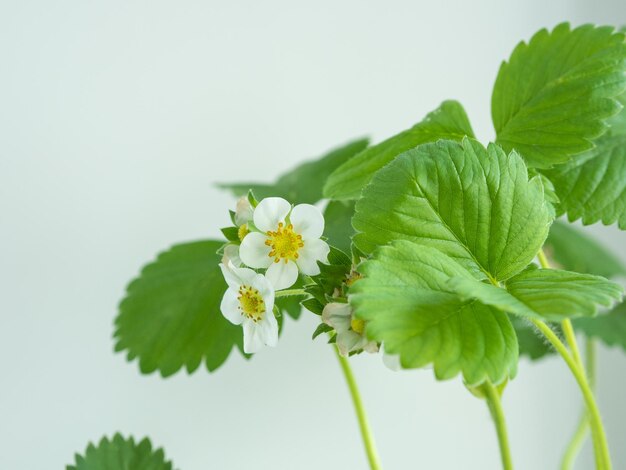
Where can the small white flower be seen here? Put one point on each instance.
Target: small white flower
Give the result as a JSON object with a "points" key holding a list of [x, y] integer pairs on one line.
{"points": [[349, 329], [243, 211], [249, 301], [288, 241]]}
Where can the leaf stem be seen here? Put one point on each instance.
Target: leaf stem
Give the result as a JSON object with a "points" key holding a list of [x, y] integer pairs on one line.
{"points": [[495, 407], [289, 292], [568, 329], [603, 459], [579, 436], [575, 363], [366, 432]]}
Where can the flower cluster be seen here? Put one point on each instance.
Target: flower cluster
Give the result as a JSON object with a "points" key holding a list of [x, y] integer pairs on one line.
{"points": [[278, 241]]}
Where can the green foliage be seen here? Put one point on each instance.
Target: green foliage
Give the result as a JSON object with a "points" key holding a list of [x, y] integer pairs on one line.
{"points": [[474, 204], [338, 229], [405, 299], [552, 97], [592, 187], [609, 327], [544, 294], [121, 454], [449, 121], [171, 316], [304, 183], [574, 251]]}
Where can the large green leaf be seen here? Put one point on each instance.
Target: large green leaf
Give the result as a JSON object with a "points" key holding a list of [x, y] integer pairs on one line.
{"points": [[473, 204], [551, 98], [573, 250], [407, 304], [592, 187], [449, 121], [121, 454], [171, 316], [609, 327], [544, 294], [304, 183], [338, 228]]}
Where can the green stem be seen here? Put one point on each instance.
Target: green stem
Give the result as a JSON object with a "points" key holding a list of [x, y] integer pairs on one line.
{"points": [[600, 446], [579, 436], [568, 329], [601, 450], [495, 407], [366, 432], [289, 292]]}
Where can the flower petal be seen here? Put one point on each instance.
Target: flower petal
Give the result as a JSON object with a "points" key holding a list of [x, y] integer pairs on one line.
{"points": [[268, 329], [230, 307], [282, 275], [231, 254], [307, 221], [338, 316], [314, 250], [348, 341], [254, 252], [243, 212], [237, 277], [252, 338], [270, 212]]}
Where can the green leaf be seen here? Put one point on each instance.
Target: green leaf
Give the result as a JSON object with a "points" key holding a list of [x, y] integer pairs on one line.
{"points": [[551, 98], [121, 454], [471, 203], [338, 228], [592, 187], [171, 316], [544, 294], [304, 183], [321, 328], [407, 304], [231, 234], [449, 121], [609, 327], [574, 251]]}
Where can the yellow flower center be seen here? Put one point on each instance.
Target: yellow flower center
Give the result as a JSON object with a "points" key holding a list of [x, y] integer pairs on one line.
{"points": [[243, 231], [251, 303], [357, 325], [284, 242]]}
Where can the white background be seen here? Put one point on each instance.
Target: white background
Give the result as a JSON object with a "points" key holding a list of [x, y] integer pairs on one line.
{"points": [[116, 118]]}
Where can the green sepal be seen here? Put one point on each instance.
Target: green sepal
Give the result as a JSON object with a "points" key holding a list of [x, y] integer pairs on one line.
{"points": [[231, 234]]}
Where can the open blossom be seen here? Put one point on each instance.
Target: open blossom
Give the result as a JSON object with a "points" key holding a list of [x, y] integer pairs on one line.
{"points": [[288, 241], [249, 301], [243, 215], [349, 329]]}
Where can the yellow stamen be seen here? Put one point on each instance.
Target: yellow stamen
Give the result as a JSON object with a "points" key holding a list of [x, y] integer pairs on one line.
{"points": [[243, 231], [357, 325], [251, 303], [285, 243]]}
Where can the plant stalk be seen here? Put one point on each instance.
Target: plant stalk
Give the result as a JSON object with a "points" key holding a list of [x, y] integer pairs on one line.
{"points": [[601, 449], [574, 361], [579, 436], [497, 413], [366, 432]]}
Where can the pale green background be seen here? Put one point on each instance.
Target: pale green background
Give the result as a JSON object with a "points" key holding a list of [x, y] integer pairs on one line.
{"points": [[116, 117]]}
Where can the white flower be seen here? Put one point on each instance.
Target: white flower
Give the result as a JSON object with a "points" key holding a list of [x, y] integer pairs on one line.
{"points": [[288, 241], [243, 211], [349, 329], [249, 301]]}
